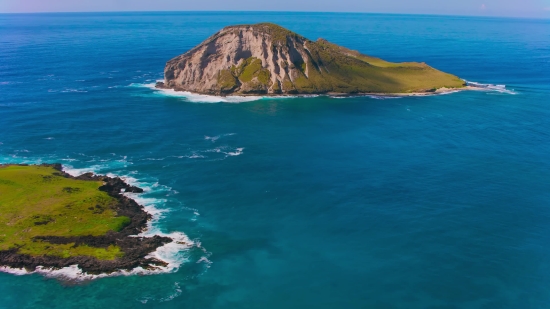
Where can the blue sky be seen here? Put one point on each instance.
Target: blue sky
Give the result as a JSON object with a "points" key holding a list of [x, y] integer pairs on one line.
{"points": [[516, 8]]}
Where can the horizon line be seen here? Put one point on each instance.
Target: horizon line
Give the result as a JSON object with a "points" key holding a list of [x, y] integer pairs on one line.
{"points": [[274, 11]]}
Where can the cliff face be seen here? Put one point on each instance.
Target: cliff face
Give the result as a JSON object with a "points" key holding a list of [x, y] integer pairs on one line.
{"points": [[268, 59]]}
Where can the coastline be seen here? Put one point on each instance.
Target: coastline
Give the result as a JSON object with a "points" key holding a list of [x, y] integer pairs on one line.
{"points": [[440, 91], [141, 254]]}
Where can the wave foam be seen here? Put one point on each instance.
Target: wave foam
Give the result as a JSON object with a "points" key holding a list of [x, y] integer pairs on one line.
{"points": [[194, 156], [215, 138], [96, 169], [69, 90], [203, 98], [372, 96], [173, 253], [490, 87], [177, 290], [237, 152]]}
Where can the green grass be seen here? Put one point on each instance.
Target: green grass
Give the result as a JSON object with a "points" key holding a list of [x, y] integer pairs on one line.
{"points": [[278, 33], [38, 201], [251, 68], [226, 81], [344, 70], [332, 68], [276, 87], [249, 71]]}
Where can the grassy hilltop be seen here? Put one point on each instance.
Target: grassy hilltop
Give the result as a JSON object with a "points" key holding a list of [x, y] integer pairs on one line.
{"points": [[38, 201], [51, 219]]}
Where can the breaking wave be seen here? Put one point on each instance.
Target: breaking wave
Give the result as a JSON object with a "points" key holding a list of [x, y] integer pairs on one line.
{"points": [[174, 253], [490, 87], [217, 137], [199, 98], [237, 152], [203, 98]]}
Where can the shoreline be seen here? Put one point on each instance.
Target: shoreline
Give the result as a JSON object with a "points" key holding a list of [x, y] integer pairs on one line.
{"points": [[141, 252], [440, 91]]}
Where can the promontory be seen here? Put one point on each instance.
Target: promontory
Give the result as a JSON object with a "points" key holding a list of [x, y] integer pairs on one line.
{"points": [[268, 59], [51, 219]]}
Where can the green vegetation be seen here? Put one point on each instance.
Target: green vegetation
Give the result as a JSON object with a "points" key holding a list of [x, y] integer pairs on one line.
{"points": [[226, 81], [288, 86], [37, 201], [337, 69], [303, 66], [330, 69], [278, 34], [250, 68], [248, 71], [276, 87]]}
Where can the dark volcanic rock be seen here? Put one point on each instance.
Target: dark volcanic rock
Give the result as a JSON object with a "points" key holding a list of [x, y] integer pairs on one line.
{"points": [[135, 248]]}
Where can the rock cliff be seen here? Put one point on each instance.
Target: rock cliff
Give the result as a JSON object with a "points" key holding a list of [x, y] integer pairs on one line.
{"points": [[269, 59]]}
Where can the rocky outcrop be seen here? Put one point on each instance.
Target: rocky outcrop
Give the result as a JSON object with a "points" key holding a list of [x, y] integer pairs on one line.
{"points": [[268, 59], [135, 249]]}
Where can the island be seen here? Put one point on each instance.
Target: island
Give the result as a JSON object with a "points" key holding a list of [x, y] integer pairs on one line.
{"points": [[51, 219], [268, 59]]}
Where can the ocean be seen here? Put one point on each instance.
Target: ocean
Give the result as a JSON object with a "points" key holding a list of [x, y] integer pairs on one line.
{"points": [[433, 202]]}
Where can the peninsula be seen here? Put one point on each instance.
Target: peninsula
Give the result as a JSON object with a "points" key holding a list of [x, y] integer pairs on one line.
{"points": [[51, 219], [268, 59]]}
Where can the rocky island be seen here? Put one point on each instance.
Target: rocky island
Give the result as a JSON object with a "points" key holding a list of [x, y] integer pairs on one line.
{"points": [[270, 60], [51, 219]]}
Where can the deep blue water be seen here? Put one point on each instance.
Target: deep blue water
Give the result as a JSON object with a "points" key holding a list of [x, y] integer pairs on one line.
{"points": [[437, 202]]}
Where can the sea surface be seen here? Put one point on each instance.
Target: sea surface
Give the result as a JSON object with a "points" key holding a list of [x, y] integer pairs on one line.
{"points": [[438, 202]]}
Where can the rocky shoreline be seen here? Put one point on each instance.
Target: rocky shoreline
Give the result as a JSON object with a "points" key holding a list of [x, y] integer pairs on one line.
{"points": [[135, 248], [431, 92]]}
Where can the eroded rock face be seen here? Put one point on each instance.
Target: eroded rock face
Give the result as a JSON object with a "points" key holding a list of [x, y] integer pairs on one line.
{"points": [[246, 59], [268, 59]]}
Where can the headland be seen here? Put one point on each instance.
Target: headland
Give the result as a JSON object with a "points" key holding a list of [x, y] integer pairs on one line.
{"points": [[52, 220]]}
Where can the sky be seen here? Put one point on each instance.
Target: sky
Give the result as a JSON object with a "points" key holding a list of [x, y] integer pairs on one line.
{"points": [[510, 8]]}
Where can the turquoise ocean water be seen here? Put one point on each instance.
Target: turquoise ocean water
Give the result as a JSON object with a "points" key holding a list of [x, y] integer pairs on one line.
{"points": [[437, 202]]}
